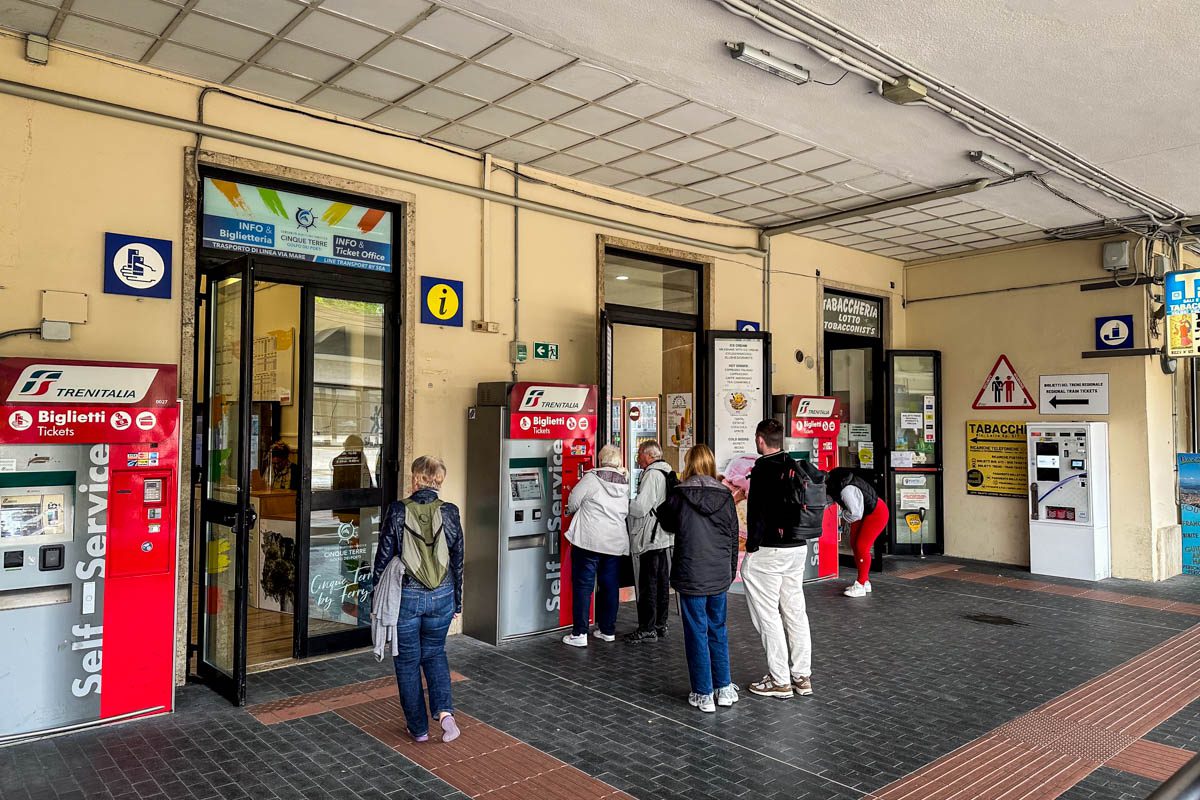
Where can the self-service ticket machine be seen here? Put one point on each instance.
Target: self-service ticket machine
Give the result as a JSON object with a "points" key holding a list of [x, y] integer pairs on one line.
{"points": [[88, 501], [1068, 500], [529, 445], [811, 427]]}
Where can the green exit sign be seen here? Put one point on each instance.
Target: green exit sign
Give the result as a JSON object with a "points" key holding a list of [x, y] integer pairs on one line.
{"points": [[545, 351]]}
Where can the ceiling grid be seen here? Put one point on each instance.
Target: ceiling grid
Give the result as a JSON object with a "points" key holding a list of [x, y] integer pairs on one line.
{"points": [[429, 71]]}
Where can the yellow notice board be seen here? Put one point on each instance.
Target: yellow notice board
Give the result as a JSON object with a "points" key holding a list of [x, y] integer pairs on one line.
{"points": [[996, 459]]}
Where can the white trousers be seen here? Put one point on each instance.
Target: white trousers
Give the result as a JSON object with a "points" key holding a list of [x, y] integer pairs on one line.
{"points": [[774, 580]]}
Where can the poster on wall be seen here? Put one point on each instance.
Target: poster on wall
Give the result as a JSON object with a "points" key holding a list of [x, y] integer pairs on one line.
{"points": [[996, 459], [1183, 313], [1189, 505], [738, 398], [681, 423], [244, 218]]}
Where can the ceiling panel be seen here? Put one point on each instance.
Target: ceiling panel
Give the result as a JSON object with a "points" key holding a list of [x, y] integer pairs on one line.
{"points": [[430, 71]]}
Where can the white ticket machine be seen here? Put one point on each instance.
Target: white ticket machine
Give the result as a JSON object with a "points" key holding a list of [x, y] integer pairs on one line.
{"points": [[1068, 500]]}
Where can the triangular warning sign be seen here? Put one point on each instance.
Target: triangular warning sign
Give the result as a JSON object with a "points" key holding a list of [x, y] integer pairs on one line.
{"points": [[1003, 388]]}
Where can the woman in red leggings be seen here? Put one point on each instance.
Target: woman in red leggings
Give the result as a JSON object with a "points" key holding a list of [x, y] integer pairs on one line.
{"points": [[867, 514]]}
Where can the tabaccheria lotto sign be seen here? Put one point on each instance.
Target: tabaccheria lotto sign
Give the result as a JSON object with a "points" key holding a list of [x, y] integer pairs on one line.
{"points": [[1183, 313]]}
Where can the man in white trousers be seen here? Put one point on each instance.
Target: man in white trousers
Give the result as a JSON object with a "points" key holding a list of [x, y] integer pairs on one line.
{"points": [[773, 572]]}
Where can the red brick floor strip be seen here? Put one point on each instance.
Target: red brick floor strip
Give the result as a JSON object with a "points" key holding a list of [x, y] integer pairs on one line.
{"points": [[1042, 754], [306, 705], [955, 572], [1151, 760], [482, 763]]}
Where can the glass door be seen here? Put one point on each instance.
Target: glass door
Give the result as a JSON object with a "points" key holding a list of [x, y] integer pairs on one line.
{"points": [[352, 474], [854, 375], [914, 428], [225, 513]]}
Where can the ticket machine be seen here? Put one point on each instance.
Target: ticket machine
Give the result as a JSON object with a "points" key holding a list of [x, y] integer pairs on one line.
{"points": [[529, 445], [811, 427], [1068, 500], [88, 502]]}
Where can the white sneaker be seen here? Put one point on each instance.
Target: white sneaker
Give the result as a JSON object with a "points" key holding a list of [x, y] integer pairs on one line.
{"points": [[704, 702], [727, 695], [856, 589], [604, 637], [867, 586], [575, 641]]}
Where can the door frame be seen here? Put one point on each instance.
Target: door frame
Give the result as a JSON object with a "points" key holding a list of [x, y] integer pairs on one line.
{"points": [[937, 468], [241, 515]]}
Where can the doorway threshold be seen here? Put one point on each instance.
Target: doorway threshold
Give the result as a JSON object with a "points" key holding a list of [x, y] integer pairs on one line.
{"points": [[284, 663]]}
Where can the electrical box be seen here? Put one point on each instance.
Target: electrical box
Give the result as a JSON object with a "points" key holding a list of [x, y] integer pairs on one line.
{"points": [[1068, 500], [1116, 257]]}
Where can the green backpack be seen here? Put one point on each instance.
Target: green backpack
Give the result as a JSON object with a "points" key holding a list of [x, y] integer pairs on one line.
{"points": [[423, 549]]}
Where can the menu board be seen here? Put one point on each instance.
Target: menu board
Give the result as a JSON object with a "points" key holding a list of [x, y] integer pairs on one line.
{"points": [[738, 399]]}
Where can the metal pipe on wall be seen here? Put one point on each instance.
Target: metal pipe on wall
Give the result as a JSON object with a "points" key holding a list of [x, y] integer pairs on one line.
{"points": [[485, 244], [129, 114]]}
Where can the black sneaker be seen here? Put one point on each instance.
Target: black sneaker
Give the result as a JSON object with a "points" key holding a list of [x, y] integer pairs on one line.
{"points": [[637, 637], [661, 632]]}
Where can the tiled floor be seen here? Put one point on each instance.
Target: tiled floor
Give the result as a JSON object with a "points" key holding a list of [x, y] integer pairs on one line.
{"points": [[1054, 681]]}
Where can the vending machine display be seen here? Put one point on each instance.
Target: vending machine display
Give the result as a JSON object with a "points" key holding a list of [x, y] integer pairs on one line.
{"points": [[530, 445], [1068, 500], [87, 536]]}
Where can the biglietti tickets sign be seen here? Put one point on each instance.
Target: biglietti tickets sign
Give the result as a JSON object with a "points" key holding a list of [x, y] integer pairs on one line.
{"points": [[76, 401]]}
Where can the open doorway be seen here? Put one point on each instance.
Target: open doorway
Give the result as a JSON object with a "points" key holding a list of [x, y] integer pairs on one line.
{"points": [[649, 370]]}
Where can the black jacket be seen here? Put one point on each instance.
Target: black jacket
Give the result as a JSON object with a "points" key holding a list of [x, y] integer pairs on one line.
{"points": [[701, 514], [390, 536], [764, 504]]}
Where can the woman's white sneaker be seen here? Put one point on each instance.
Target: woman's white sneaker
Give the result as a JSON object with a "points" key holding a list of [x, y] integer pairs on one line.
{"points": [[605, 637], [727, 695], [704, 702], [575, 641], [856, 589]]}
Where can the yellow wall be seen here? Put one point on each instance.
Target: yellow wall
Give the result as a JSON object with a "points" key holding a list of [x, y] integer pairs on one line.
{"points": [[1043, 330]]}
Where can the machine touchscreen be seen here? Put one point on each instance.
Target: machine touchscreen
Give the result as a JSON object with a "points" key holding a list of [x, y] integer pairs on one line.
{"points": [[25, 513], [526, 486]]}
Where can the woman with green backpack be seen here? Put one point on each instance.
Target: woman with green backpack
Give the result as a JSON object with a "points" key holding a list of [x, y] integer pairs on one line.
{"points": [[425, 534]]}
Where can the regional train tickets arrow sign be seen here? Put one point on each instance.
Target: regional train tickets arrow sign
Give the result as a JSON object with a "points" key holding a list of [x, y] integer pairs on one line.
{"points": [[1073, 394]]}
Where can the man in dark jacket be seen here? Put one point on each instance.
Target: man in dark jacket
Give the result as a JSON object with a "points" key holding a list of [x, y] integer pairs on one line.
{"points": [[773, 572]]}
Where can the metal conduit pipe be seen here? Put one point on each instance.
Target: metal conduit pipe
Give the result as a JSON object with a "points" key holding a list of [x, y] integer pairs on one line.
{"points": [[831, 29], [130, 114], [979, 127]]}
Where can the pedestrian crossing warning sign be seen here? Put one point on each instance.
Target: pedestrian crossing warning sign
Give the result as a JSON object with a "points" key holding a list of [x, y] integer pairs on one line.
{"points": [[1003, 388]]}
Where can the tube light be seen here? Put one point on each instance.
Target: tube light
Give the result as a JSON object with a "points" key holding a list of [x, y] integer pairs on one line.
{"points": [[622, 277], [768, 63], [990, 162]]}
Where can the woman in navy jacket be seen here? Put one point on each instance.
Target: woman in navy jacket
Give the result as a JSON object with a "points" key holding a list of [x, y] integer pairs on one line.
{"points": [[425, 614]]}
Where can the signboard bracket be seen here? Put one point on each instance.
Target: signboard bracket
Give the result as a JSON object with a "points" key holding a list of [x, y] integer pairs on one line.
{"points": [[1137, 351]]}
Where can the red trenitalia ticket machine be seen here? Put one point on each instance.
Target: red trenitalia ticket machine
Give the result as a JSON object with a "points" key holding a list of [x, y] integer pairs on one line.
{"points": [[811, 426], [88, 509]]}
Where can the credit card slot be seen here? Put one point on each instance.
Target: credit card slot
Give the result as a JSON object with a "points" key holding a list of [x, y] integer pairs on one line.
{"points": [[12, 599]]}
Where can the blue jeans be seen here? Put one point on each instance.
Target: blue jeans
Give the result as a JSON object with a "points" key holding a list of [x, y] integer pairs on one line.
{"points": [[705, 641], [425, 616], [602, 571]]}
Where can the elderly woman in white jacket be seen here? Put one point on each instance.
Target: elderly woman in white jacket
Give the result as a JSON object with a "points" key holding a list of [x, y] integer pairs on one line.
{"points": [[598, 537]]}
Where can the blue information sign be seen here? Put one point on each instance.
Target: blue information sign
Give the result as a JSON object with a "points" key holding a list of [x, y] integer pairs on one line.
{"points": [[137, 265], [1114, 333]]}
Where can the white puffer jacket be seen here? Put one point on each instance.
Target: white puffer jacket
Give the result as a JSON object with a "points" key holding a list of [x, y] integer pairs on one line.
{"points": [[600, 504]]}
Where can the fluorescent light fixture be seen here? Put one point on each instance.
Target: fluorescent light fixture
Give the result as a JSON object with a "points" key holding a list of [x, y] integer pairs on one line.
{"points": [[990, 162], [622, 277], [768, 63]]}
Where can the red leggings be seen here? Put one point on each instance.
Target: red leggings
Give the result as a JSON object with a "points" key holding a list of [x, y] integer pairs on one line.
{"points": [[862, 538]]}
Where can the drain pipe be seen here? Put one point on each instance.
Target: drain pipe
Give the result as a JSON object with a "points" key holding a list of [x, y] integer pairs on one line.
{"points": [[130, 114], [764, 244], [516, 270]]}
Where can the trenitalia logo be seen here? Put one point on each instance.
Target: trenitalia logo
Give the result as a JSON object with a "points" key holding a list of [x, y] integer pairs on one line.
{"points": [[814, 407], [559, 399], [40, 381], [66, 383]]}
